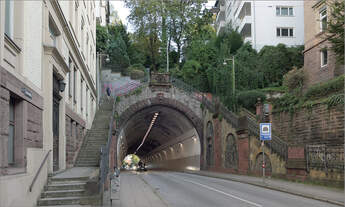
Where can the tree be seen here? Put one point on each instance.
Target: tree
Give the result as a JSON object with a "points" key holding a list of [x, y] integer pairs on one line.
{"points": [[102, 38], [335, 29], [146, 17], [182, 15]]}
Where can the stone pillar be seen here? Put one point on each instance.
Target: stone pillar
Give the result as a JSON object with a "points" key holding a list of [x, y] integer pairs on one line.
{"points": [[243, 146], [296, 163], [4, 114]]}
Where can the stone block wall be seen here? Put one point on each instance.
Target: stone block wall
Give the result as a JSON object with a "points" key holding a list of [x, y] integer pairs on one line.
{"points": [[75, 133], [312, 65], [28, 106], [318, 125], [4, 112]]}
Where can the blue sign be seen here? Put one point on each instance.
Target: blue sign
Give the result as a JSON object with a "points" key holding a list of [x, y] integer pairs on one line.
{"points": [[265, 131]]}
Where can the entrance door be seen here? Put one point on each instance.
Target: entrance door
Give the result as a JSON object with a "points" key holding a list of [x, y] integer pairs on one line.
{"points": [[56, 103]]}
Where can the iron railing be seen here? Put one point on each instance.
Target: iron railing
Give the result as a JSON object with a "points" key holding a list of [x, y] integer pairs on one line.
{"points": [[276, 145], [104, 160], [325, 157], [39, 170]]}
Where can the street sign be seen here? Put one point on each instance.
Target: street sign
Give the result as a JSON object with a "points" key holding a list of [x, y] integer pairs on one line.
{"points": [[265, 131]]}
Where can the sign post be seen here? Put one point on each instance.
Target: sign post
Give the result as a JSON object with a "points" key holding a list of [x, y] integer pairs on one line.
{"points": [[265, 135]]}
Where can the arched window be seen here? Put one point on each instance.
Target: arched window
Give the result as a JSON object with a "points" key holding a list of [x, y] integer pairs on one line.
{"points": [[209, 144], [231, 154]]}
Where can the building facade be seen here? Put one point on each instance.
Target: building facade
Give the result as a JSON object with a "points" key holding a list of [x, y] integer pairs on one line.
{"points": [[102, 12], [47, 91], [263, 22], [319, 61]]}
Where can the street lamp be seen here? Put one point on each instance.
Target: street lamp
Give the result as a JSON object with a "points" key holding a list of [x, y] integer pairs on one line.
{"points": [[233, 75], [99, 67]]}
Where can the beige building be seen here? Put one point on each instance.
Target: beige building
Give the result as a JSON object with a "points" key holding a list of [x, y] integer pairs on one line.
{"points": [[47, 91], [319, 61]]}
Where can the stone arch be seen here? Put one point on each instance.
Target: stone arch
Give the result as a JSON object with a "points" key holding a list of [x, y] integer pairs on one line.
{"points": [[231, 153], [126, 115], [258, 164], [209, 144]]}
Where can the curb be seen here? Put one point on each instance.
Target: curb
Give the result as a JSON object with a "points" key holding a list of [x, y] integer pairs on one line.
{"points": [[271, 188]]}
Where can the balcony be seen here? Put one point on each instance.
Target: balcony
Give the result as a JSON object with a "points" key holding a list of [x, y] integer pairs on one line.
{"points": [[246, 32]]}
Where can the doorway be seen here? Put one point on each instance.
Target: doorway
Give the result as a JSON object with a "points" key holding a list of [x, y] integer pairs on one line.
{"points": [[56, 119]]}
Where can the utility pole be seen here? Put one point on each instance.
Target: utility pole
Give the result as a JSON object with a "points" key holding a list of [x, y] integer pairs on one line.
{"points": [[233, 82]]}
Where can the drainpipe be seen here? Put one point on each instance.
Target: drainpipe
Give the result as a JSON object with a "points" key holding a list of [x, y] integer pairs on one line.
{"points": [[254, 35]]}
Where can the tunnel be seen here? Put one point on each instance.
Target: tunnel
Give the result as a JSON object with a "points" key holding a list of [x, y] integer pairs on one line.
{"points": [[173, 143]]}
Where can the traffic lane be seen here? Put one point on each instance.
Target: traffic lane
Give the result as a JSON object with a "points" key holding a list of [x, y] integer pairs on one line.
{"points": [[266, 197], [134, 192], [248, 195], [178, 193]]}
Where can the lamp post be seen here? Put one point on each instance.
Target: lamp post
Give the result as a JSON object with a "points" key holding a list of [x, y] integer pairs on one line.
{"points": [[99, 67], [232, 76]]}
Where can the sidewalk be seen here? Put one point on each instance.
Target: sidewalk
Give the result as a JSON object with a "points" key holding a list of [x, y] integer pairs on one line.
{"points": [[330, 195]]}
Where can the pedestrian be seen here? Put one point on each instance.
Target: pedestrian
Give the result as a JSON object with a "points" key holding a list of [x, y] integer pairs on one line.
{"points": [[108, 92]]}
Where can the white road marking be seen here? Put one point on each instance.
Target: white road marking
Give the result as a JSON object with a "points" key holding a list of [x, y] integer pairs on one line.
{"points": [[219, 191]]}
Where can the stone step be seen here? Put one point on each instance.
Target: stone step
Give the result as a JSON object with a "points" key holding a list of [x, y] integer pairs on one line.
{"points": [[62, 193], [71, 179], [86, 164], [58, 201], [65, 186]]}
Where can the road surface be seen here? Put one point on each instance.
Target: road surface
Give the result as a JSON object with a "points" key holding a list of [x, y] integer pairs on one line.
{"points": [[173, 189]]}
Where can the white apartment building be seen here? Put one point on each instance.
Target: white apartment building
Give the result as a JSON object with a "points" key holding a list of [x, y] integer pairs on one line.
{"points": [[47, 91], [102, 11], [264, 22]]}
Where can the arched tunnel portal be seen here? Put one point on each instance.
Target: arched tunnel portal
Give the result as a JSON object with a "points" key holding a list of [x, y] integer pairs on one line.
{"points": [[174, 142]]}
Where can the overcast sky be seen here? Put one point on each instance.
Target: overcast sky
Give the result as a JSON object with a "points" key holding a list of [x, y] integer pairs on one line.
{"points": [[123, 12]]}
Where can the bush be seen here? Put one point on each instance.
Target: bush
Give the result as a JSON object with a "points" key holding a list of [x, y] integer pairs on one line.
{"points": [[137, 74], [294, 79], [287, 102], [326, 88], [248, 99]]}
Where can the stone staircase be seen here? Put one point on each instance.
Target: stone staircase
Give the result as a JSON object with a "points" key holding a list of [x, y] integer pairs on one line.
{"points": [[96, 137], [63, 191]]}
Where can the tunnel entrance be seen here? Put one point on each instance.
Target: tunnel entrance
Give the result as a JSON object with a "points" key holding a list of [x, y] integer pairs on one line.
{"points": [[173, 143]]}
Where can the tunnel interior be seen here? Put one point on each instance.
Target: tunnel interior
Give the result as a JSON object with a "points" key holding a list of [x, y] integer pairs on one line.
{"points": [[172, 143]]}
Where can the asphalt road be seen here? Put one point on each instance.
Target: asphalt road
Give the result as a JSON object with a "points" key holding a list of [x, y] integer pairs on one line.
{"points": [[157, 188]]}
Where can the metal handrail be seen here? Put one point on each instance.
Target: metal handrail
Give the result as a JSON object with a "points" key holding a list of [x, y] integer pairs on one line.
{"points": [[104, 161], [38, 171]]}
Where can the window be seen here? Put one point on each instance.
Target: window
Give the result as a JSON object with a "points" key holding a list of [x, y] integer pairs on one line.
{"points": [[75, 85], [81, 94], [53, 31], [324, 57], [70, 77], [9, 10], [284, 32], [11, 131], [323, 19], [86, 101], [284, 11]]}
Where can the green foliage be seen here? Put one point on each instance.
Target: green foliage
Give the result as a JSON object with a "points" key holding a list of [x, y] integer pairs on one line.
{"points": [[326, 88], [335, 29], [275, 61], [248, 99], [137, 74], [118, 99], [337, 99], [102, 37], [294, 79], [286, 103], [321, 93]]}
